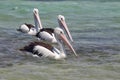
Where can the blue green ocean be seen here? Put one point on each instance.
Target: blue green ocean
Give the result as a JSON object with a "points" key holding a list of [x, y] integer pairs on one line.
{"points": [[95, 28]]}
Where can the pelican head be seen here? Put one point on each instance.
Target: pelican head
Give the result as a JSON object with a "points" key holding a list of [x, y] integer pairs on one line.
{"points": [[61, 17], [35, 11], [23, 28], [59, 34], [63, 25]]}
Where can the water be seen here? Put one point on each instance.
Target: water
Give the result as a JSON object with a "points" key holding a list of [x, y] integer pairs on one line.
{"points": [[94, 25]]}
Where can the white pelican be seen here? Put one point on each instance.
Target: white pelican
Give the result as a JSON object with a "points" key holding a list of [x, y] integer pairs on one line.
{"points": [[46, 50], [29, 28], [45, 34]]}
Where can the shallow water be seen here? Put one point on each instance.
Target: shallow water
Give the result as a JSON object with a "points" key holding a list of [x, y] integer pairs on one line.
{"points": [[95, 27]]}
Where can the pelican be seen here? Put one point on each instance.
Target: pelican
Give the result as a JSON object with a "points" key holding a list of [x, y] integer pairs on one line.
{"points": [[29, 28], [46, 50], [47, 34], [44, 34]]}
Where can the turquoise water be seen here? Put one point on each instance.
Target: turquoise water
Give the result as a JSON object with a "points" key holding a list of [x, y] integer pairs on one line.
{"points": [[94, 25]]}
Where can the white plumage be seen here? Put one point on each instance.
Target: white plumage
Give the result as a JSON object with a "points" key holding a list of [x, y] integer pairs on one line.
{"points": [[45, 36]]}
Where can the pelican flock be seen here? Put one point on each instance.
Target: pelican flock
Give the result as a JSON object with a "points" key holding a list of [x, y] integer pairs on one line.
{"points": [[60, 35]]}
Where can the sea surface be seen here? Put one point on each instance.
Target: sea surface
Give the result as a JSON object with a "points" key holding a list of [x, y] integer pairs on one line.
{"points": [[95, 28]]}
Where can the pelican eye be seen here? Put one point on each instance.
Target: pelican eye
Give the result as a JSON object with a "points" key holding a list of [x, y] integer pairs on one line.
{"points": [[36, 12], [62, 19], [61, 32]]}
